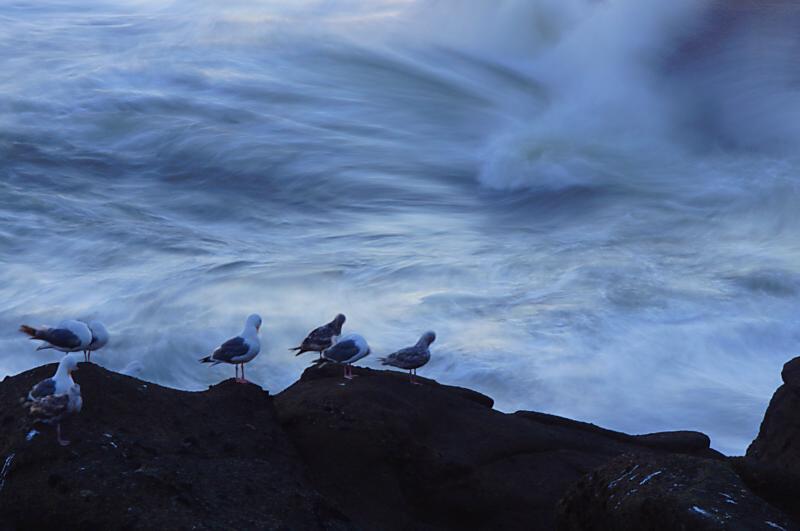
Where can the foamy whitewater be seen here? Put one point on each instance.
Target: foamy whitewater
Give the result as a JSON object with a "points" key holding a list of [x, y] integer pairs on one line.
{"points": [[595, 203]]}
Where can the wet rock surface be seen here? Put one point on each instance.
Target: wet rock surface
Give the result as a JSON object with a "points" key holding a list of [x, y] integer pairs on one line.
{"points": [[666, 492]]}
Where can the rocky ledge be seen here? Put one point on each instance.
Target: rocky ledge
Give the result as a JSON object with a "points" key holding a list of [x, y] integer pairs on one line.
{"points": [[376, 453]]}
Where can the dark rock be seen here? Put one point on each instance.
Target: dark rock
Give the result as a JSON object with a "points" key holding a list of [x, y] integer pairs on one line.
{"points": [[681, 442], [434, 457], [372, 453], [778, 440], [92, 485], [666, 492], [686, 442], [791, 374], [771, 467], [775, 484]]}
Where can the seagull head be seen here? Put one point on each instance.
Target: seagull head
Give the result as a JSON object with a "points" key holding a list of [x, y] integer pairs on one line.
{"points": [[68, 364], [427, 338], [338, 322], [254, 321], [99, 334]]}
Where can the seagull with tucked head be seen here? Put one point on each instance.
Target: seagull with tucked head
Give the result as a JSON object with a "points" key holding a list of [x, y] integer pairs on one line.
{"points": [[52, 399], [240, 349], [348, 350], [322, 337], [67, 336], [100, 338], [412, 358]]}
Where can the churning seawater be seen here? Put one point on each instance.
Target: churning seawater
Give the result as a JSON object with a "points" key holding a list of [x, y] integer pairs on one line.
{"points": [[596, 204]]}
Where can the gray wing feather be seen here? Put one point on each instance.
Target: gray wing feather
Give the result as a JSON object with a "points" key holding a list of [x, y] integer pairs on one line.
{"points": [[49, 408], [44, 388], [60, 337], [319, 338], [232, 348], [407, 358], [342, 351]]}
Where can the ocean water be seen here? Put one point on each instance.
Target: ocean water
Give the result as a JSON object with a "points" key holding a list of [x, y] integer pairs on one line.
{"points": [[595, 204]]}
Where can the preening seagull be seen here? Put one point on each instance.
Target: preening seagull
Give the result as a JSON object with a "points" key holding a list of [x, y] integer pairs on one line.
{"points": [[99, 339], [322, 337], [50, 400], [240, 349], [67, 336], [412, 358], [348, 350]]}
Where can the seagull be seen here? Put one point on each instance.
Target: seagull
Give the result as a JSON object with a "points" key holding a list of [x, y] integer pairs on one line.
{"points": [[68, 336], [322, 337], [240, 349], [348, 350], [412, 358], [99, 339], [50, 400]]}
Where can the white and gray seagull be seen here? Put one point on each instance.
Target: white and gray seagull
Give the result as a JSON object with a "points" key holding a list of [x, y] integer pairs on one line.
{"points": [[67, 336], [322, 337], [100, 339], [348, 350], [52, 399], [412, 358], [240, 349]]}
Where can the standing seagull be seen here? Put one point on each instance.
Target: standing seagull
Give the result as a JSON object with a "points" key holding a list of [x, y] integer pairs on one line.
{"points": [[322, 337], [412, 358], [52, 399], [68, 336], [348, 350], [99, 339], [240, 349]]}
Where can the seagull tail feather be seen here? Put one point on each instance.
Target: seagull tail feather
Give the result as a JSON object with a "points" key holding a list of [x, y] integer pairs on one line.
{"points": [[207, 359], [29, 330], [43, 346]]}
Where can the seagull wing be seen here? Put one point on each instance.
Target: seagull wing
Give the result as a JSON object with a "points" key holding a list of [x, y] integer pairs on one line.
{"points": [[44, 405], [232, 348], [42, 389], [403, 358], [342, 351], [49, 408], [60, 337], [319, 338]]}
